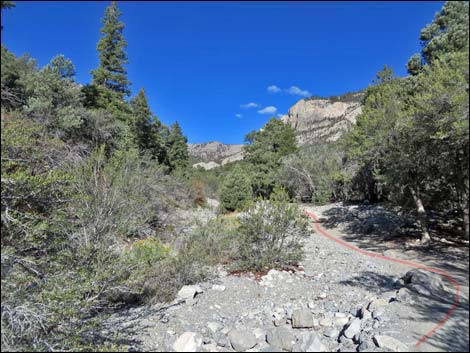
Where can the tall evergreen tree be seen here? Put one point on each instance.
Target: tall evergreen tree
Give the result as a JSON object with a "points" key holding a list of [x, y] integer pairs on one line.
{"points": [[111, 72], [264, 152], [178, 154], [146, 127], [447, 33]]}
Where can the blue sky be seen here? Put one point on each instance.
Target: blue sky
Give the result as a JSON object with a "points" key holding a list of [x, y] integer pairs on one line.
{"points": [[203, 63]]}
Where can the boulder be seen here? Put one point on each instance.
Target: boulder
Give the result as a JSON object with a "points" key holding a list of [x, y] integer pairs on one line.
{"points": [[353, 328], [309, 342], [302, 318], [425, 283], [242, 340], [189, 292], [281, 337]]}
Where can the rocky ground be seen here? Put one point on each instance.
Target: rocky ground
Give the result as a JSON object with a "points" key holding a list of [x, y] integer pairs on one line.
{"points": [[338, 300]]}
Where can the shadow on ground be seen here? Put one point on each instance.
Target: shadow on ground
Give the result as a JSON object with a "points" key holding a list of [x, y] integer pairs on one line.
{"points": [[452, 337], [374, 228]]}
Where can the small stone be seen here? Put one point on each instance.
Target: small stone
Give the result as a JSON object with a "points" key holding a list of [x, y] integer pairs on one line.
{"points": [[376, 325], [365, 346], [302, 318], [242, 340], [378, 313], [218, 287], [322, 295], [309, 342], [214, 326], [279, 322], [260, 334], [221, 339], [377, 303], [188, 342], [341, 321], [331, 332], [281, 337], [353, 328], [391, 343], [326, 322]]}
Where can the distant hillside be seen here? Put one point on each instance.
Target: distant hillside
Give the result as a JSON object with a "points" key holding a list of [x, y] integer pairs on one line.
{"points": [[212, 154]]}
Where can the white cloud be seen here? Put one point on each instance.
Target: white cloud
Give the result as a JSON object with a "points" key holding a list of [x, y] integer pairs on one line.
{"points": [[239, 115], [250, 105], [274, 89], [268, 110], [296, 91]]}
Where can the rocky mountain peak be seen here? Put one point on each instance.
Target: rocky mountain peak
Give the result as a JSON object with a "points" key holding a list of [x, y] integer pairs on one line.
{"points": [[318, 119]]}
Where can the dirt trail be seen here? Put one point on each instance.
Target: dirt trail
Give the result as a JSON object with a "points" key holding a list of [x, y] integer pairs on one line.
{"points": [[451, 262], [337, 284]]}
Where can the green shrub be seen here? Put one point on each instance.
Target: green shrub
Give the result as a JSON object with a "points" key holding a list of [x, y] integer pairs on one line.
{"points": [[270, 235], [236, 192]]}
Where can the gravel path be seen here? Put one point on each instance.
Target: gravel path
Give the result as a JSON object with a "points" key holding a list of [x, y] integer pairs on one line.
{"points": [[328, 299]]}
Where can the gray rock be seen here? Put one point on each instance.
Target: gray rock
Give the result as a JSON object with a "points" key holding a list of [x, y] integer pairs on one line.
{"points": [[390, 343], [188, 342], [377, 303], [242, 340], [365, 346], [353, 328], [281, 337], [221, 339], [302, 318], [309, 341], [404, 295]]}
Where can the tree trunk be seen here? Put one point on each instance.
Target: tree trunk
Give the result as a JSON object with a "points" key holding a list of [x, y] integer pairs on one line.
{"points": [[423, 224]]}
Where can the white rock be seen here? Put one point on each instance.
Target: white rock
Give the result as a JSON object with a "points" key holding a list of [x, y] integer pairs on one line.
{"points": [[214, 326], [326, 322], [390, 343], [188, 342], [218, 287], [189, 292]]}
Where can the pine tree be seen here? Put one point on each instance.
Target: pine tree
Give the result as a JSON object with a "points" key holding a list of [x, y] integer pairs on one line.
{"points": [[264, 152], [111, 72], [236, 191], [178, 155], [146, 127]]}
